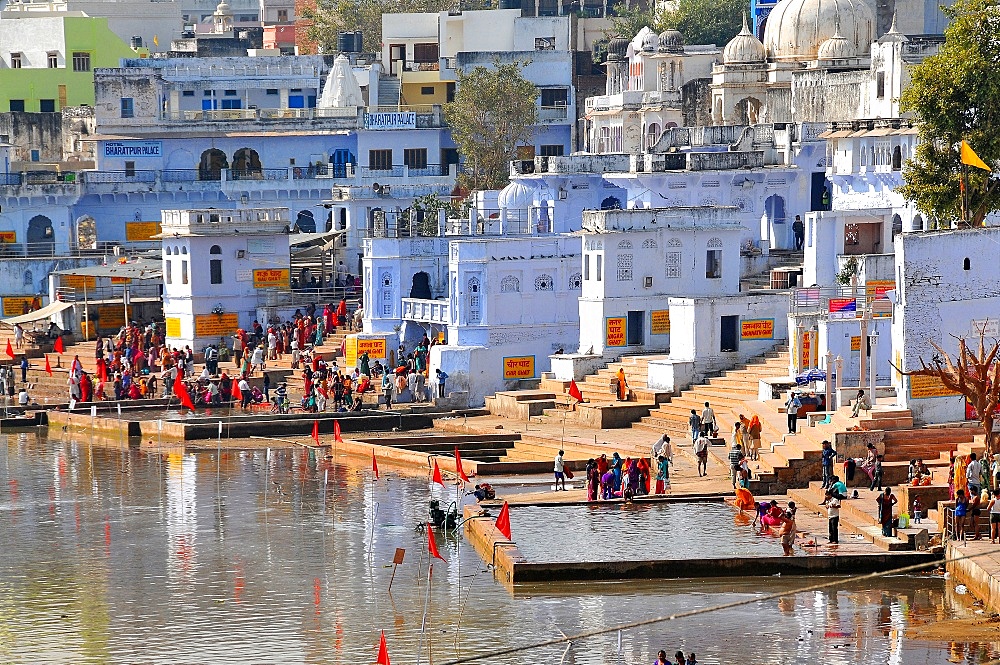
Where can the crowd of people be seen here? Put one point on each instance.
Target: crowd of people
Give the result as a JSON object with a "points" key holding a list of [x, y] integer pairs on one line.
{"points": [[626, 478], [679, 658]]}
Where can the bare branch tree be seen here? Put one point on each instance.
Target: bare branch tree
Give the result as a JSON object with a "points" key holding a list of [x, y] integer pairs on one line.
{"points": [[972, 373]]}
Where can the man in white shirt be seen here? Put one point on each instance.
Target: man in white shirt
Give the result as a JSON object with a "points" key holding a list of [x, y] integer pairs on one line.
{"points": [[245, 392], [708, 420], [558, 468], [23, 398], [974, 475]]}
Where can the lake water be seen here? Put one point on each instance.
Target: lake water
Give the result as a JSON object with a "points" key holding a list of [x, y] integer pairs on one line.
{"points": [[127, 557]]}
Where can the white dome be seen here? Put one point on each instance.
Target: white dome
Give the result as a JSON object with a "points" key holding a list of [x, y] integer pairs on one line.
{"points": [[744, 48], [836, 48], [516, 196], [644, 40], [796, 28]]}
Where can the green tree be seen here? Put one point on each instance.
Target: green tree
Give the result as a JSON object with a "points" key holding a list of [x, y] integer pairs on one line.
{"points": [[493, 113], [627, 22], [704, 21], [955, 95]]}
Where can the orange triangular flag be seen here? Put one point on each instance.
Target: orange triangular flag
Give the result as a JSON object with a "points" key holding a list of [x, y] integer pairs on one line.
{"points": [[383, 652], [574, 391], [58, 346], [10, 349], [431, 545], [182, 394], [374, 464], [970, 158], [503, 521], [458, 466], [437, 475], [315, 434], [48, 367], [336, 431]]}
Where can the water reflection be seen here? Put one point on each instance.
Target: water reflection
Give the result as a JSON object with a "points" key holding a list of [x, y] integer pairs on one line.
{"points": [[122, 557]]}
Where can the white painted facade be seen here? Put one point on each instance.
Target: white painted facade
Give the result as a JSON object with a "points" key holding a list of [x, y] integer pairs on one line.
{"points": [[947, 280], [243, 241]]}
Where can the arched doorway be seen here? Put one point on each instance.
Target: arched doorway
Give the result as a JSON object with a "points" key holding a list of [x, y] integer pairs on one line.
{"points": [[747, 111], [306, 222], [611, 203], [774, 211], [246, 164], [86, 233], [212, 162], [421, 287], [41, 237]]}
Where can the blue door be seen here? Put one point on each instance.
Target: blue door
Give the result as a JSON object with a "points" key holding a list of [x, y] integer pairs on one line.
{"points": [[296, 102]]}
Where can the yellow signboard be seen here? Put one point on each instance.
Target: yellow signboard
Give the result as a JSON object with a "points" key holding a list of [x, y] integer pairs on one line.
{"points": [[923, 387], [757, 329], [807, 349], [110, 317], [17, 305], [518, 367], [141, 231], [659, 322], [121, 280], [173, 327], [875, 290], [614, 331], [215, 325], [79, 281], [855, 342], [8, 236], [269, 278], [375, 348], [351, 351]]}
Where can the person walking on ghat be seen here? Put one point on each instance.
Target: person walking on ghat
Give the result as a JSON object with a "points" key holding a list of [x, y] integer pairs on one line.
{"points": [[708, 425], [559, 471], [622, 385], [792, 407], [694, 422]]}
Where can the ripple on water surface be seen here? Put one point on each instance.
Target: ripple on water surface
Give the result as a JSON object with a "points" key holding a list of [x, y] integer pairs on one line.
{"points": [[121, 557]]}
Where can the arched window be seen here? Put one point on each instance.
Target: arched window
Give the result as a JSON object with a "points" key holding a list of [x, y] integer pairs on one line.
{"points": [[967, 264], [475, 300], [625, 244], [649, 243], [543, 283], [897, 158], [184, 250], [215, 265], [575, 282], [715, 242], [167, 250], [510, 284]]}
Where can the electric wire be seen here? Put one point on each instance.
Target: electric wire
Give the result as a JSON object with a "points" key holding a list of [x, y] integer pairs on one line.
{"points": [[490, 655]]}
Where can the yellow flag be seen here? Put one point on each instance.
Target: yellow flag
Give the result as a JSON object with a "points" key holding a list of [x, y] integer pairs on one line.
{"points": [[156, 40], [970, 158]]}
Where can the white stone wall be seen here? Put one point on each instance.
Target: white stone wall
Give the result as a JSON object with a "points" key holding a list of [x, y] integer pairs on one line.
{"points": [[33, 38], [938, 300]]}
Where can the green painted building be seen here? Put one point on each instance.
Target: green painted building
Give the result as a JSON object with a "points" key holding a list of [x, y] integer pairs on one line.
{"points": [[48, 59]]}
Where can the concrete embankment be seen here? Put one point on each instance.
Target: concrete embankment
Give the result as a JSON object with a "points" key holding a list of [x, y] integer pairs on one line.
{"points": [[510, 566], [977, 566]]}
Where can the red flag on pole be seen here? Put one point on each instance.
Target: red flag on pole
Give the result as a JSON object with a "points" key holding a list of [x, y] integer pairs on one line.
{"points": [[374, 464], [236, 392], [58, 346], [503, 521], [574, 391], [315, 434], [383, 652], [48, 367], [10, 350], [182, 394], [431, 545], [458, 466], [336, 431], [437, 475]]}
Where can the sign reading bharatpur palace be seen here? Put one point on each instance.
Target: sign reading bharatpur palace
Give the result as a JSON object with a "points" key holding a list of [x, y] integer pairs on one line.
{"points": [[133, 149], [519, 367], [406, 120]]}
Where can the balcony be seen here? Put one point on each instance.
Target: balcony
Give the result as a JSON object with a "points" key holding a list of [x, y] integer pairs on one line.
{"points": [[550, 113], [426, 311]]}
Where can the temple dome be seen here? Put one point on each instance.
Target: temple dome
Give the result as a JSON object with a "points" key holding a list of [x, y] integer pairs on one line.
{"points": [[836, 48], [671, 41], [796, 28], [646, 40], [616, 48], [516, 196], [744, 48]]}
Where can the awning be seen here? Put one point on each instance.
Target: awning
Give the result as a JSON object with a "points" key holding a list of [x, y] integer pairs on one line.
{"points": [[38, 314], [141, 269]]}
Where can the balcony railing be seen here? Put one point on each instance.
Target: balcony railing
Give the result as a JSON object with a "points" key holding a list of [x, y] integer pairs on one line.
{"points": [[426, 311], [553, 112]]}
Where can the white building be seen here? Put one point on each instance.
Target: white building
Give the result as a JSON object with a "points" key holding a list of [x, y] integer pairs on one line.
{"points": [[216, 266]]}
